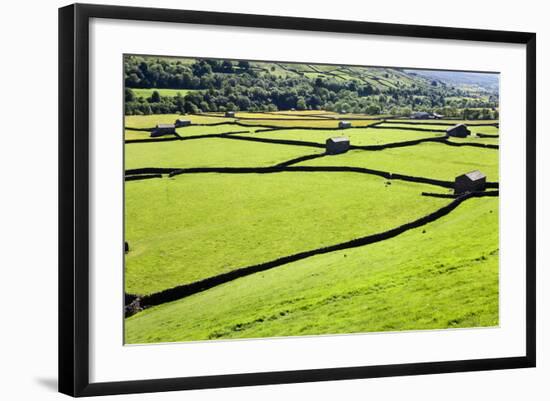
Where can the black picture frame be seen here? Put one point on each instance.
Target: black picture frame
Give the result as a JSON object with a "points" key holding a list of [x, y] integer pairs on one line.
{"points": [[74, 198]]}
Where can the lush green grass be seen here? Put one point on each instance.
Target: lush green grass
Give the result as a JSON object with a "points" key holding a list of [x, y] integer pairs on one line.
{"points": [[297, 113], [431, 160], [190, 227], [216, 129], [150, 121], [194, 226], [277, 116], [443, 121], [442, 275], [192, 130], [211, 152], [132, 134], [474, 139], [146, 93], [473, 129], [325, 123], [484, 130], [423, 126], [357, 136]]}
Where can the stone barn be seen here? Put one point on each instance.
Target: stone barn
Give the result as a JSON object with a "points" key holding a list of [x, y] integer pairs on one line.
{"points": [[459, 130], [182, 123], [344, 124], [470, 182], [126, 247], [337, 144], [163, 129], [421, 115], [230, 114]]}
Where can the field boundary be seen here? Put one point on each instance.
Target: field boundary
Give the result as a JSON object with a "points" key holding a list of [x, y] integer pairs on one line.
{"points": [[380, 126], [287, 168], [141, 177], [182, 291], [439, 123]]}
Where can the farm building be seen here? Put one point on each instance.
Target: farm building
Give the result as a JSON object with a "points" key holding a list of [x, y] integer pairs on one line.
{"points": [[459, 130], [126, 247], [230, 114], [337, 144], [344, 124], [469, 182], [163, 129], [421, 115], [182, 123]]}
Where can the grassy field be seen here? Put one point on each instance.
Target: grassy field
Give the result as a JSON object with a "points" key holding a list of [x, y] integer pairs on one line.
{"points": [[357, 136], [442, 121], [473, 129], [303, 115], [432, 160], [306, 123], [220, 152], [194, 226], [188, 234], [193, 130], [151, 121], [146, 93], [428, 278]]}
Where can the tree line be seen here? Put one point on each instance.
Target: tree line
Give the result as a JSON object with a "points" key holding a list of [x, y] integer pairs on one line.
{"points": [[225, 85]]}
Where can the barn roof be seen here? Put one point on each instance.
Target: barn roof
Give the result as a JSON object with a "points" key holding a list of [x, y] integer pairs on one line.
{"points": [[475, 175], [166, 126], [339, 139], [457, 126]]}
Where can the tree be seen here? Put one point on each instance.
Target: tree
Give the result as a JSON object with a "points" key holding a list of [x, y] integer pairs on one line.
{"points": [[301, 104], [155, 97], [230, 106], [217, 85], [129, 95], [227, 66], [244, 65], [243, 102]]}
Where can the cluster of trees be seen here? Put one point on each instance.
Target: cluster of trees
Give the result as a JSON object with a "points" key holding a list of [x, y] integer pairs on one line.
{"points": [[224, 85]]}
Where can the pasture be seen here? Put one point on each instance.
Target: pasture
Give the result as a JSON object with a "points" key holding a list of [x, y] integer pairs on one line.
{"points": [[145, 93], [232, 193], [357, 136], [423, 279]]}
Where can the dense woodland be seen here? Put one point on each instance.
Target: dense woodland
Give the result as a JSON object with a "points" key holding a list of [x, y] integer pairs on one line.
{"points": [[222, 85]]}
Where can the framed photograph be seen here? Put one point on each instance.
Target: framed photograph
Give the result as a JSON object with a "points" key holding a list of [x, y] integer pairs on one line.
{"points": [[250, 199]]}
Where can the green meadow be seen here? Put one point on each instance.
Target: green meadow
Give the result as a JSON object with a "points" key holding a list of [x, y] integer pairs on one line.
{"points": [[145, 93], [306, 122], [443, 275], [192, 130], [211, 152], [431, 160], [188, 227], [212, 223], [150, 121], [357, 136]]}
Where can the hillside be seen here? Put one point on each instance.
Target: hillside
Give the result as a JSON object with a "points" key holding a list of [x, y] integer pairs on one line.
{"points": [[212, 85]]}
